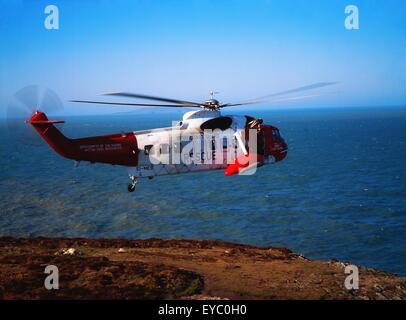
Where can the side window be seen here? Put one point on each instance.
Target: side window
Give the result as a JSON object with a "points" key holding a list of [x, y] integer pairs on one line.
{"points": [[164, 148], [147, 149], [177, 147]]}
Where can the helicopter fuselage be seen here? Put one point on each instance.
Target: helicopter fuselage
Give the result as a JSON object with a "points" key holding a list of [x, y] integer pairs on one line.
{"points": [[186, 146]]}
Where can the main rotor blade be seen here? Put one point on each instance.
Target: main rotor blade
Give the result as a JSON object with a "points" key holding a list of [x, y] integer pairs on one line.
{"points": [[290, 98], [309, 96], [239, 104], [135, 104], [281, 93], [146, 97], [304, 88]]}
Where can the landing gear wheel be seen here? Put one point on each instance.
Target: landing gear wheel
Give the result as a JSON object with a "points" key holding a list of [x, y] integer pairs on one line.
{"points": [[131, 187], [133, 184]]}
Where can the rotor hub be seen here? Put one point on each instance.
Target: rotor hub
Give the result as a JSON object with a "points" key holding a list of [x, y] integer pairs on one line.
{"points": [[212, 104]]}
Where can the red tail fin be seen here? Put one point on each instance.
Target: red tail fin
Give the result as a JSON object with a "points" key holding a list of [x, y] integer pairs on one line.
{"points": [[51, 134], [118, 149]]}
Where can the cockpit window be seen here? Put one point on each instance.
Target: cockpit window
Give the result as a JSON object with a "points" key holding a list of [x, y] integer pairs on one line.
{"points": [[276, 134]]}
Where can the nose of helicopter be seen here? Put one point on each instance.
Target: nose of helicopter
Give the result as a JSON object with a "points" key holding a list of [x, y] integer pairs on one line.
{"points": [[282, 151], [278, 147]]}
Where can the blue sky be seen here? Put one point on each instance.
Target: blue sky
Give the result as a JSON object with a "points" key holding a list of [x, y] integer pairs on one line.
{"points": [[185, 48]]}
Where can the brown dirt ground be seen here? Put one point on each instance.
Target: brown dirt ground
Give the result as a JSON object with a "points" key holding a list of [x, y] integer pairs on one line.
{"points": [[178, 269]]}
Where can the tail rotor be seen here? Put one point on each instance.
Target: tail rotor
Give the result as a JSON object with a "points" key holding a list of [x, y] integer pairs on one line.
{"points": [[24, 103]]}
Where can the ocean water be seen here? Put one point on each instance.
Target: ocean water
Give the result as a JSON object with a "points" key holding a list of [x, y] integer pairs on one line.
{"points": [[340, 193]]}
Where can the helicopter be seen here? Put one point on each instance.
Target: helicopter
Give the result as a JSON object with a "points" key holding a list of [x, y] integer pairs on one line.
{"points": [[203, 140]]}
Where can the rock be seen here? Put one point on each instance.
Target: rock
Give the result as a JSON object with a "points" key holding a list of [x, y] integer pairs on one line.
{"points": [[69, 252], [230, 251], [232, 266], [380, 296], [121, 250], [378, 288]]}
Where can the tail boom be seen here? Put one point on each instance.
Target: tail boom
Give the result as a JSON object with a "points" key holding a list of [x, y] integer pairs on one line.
{"points": [[118, 149]]}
